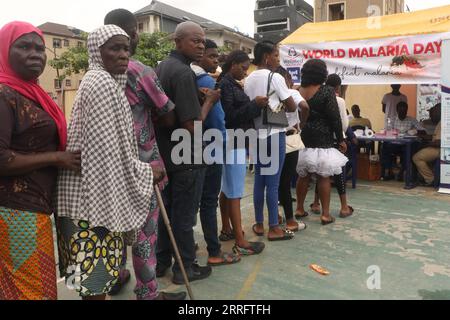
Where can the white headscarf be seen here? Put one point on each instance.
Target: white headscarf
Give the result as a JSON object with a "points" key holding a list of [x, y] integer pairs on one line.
{"points": [[115, 188]]}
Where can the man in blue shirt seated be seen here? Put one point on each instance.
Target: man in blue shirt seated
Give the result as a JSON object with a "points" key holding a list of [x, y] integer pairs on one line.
{"points": [[212, 184]]}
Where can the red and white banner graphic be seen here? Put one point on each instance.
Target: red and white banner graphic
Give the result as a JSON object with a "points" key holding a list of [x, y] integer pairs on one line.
{"points": [[402, 60]]}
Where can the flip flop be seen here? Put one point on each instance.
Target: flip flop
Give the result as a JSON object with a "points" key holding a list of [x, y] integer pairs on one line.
{"points": [[259, 234], [346, 215], [287, 235], [297, 228], [255, 248], [314, 211], [326, 222], [299, 216], [225, 236], [227, 258]]}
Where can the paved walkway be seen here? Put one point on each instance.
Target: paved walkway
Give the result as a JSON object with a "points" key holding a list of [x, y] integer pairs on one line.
{"points": [[402, 234]]}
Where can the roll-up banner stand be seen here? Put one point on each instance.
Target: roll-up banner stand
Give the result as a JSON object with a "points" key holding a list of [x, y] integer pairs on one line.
{"points": [[445, 120]]}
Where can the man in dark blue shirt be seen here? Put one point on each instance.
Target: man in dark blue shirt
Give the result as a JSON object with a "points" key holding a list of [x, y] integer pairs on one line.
{"points": [[212, 185]]}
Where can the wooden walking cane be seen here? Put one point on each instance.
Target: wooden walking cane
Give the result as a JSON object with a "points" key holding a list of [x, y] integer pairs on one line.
{"points": [[174, 243]]}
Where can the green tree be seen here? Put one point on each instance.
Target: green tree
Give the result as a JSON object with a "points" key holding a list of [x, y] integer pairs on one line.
{"points": [[225, 50], [73, 61], [154, 48]]}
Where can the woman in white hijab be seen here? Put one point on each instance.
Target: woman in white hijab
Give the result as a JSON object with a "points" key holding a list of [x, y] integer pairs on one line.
{"points": [[107, 201]]}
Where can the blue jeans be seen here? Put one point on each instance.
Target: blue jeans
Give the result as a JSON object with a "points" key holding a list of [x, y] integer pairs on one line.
{"points": [[208, 208], [269, 182], [182, 200]]}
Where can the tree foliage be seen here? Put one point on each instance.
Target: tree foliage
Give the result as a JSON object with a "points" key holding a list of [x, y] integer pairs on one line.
{"points": [[73, 61], [152, 49]]}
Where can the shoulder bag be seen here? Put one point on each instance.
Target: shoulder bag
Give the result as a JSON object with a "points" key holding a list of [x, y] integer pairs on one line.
{"points": [[278, 117]]}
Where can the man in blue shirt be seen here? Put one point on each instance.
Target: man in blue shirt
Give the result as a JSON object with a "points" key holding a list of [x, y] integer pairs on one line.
{"points": [[207, 65]]}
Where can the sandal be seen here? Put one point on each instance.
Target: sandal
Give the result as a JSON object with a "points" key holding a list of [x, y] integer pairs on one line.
{"points": [[346, 215], [287, 235], [300, 226], [227, 258], [325, 222], [301, 216], [255, 248], [259, 234], [225, 236], [314, 211]]}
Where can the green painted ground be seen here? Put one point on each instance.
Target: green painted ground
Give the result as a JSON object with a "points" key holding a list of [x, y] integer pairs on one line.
{"points": [[406, 234]]}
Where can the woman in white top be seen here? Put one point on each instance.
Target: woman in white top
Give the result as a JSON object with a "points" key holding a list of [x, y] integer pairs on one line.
{"points": [[267, 176]]}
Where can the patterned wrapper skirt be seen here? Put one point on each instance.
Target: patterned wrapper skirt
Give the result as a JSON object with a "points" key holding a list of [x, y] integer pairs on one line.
{"points": [[89, 258], [27, 260]]}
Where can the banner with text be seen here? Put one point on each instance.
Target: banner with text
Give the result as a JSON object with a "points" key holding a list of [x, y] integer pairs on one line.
{"points": [[402, 60], [445, 119]]}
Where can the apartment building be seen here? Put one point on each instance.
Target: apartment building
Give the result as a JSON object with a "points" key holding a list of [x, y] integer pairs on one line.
{"points": [[58, 39], [331, 10], [159, 16], [277, 19]]}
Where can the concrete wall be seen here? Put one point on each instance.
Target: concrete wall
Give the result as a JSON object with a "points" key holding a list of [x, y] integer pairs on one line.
{"points": [[69, 99]]}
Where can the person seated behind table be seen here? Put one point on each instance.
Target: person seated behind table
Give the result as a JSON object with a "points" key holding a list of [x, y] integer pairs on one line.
{"points": [[390, 102], [432, 152], [357, 120], [404, 125], [428, 124]]}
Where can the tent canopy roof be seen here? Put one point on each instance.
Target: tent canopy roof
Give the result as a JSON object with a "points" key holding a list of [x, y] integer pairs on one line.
{"points": [[435, 20]]}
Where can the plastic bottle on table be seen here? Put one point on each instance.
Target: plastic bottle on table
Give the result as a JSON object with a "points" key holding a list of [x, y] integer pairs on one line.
{"points": [[389, 127]]}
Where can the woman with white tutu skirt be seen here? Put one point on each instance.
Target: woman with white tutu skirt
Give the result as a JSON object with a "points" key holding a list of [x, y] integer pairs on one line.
{"points": [[320, 133]]}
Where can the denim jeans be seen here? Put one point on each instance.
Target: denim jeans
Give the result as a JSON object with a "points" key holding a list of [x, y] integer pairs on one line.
{"points": [[208, 208], [269, 182], [182, 198]]}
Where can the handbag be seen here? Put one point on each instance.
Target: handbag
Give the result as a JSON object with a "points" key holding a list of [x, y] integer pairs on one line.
{"points": [[277, 117], [294, 142]]}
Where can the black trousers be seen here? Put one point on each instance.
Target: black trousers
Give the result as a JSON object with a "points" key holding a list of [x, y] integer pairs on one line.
{"points": [[284, 190], [182, 198]]}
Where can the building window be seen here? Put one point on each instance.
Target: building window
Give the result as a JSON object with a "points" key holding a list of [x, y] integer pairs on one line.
{"points": [[247, 50], [56, 43], [68, 83], [66, 43], [263, 4], [275, 25], [336, 11], [80, 44], [57, 84], [141, 27]]}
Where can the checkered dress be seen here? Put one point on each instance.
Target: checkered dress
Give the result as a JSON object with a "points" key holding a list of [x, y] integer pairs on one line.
{"points": [[114, 189]]}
